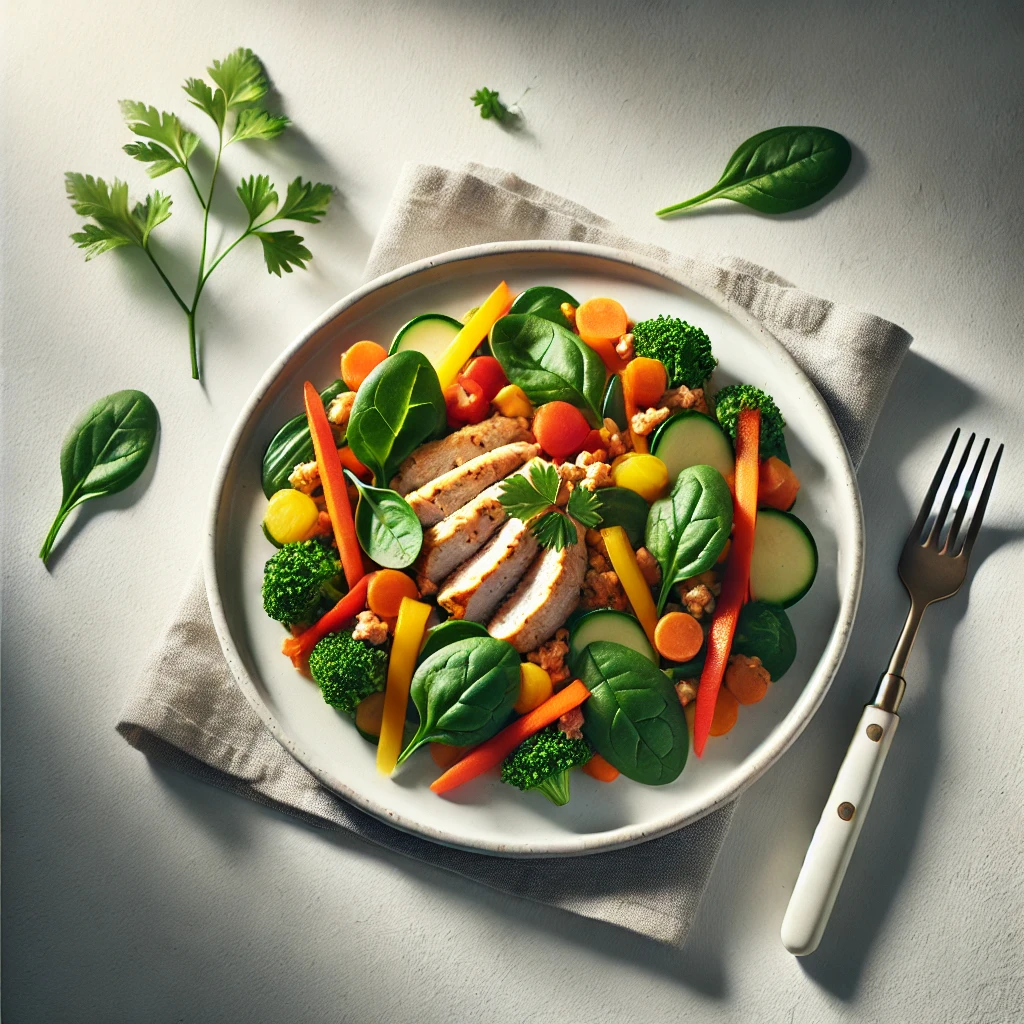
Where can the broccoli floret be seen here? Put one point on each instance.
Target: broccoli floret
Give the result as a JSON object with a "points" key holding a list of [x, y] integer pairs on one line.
{"points": [[731, 399], [297, 578], [542, 762], [347, 670], [684, 349]]}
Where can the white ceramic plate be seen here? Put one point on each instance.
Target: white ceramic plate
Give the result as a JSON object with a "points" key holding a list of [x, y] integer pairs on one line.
{"points": [[486, 815]]}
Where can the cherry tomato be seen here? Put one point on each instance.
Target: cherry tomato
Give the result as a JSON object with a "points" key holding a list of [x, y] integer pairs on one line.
{"points": [[487, 372], [465, 402], [560, 429], [593, 442]]}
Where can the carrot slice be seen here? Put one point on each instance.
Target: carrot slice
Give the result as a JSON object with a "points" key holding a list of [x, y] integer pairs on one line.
{"points": [[444, 755], [387, 588], [493, 751], [298, 647], [648, 380], [359, 361], [598, 768], [727, 711], [747, 683], [335, 493], [678, 636], [736, 583]]}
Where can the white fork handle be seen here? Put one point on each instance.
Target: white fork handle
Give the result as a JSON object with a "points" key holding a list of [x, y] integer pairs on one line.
{"points": [[836, 835]]}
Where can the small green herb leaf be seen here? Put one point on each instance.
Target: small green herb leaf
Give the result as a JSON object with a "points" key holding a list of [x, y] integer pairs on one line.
{"points": [[108, 206], [585, 506], [524, 497], [257, 194], [155, 210], [240, 75], [283, 250], [213, 103], [160, 160], [305, 201], [555, 530], [163, 128], [386, 526], [779, 170], [104, 452], [489, 103], [258, 124]]}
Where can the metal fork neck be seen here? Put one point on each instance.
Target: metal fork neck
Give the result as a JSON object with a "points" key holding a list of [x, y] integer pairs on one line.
{"points": [[892, 684]]}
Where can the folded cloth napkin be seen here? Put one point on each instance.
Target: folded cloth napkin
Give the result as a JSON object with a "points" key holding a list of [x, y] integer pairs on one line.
{"points": [[187, 711]]}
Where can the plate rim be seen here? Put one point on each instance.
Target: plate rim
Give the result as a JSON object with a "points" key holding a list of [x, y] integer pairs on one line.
{"points": [[779, 740]]}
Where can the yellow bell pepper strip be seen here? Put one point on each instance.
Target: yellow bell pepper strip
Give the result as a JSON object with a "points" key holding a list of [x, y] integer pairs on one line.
{"points": [[632, 579], [639, 440], [412, 622], [335, 492], [736, 583], [464, 344]]}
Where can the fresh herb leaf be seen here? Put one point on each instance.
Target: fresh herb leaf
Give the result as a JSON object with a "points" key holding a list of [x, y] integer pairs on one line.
{"points": [[779, 170], [585, 506], [104, 452], [490, 105], [555, 530], [283, 250], [240, 75], [163, 128], [258, 124], [305, 201], [256, 194], [108, 206], [531, 498], [160, 160], [155, 210], [206, 99]]}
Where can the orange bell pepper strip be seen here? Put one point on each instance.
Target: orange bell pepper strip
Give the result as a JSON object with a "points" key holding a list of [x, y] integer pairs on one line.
{"points": [[493, 751], [629, 400], [335, 493], [298, 647], [736, 584]]}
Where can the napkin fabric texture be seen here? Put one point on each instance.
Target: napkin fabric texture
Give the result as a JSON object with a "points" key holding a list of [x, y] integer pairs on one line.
{"points": [[186, 710]]}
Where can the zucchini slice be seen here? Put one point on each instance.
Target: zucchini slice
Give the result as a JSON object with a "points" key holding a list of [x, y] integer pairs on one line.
{"points": [[692, 439], [608, 624], [429, 333], [785, 559]]}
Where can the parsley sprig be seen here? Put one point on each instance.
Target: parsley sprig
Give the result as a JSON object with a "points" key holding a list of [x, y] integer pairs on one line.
{"points": [[531, 498], [233, 103]]}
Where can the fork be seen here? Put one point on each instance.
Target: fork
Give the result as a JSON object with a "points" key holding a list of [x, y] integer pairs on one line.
{"points": [[932, 567]]}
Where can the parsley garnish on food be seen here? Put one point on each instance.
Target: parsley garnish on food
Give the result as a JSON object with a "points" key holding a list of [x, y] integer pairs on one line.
{"points": [[233, 104], [489, 104], [532, 500]]}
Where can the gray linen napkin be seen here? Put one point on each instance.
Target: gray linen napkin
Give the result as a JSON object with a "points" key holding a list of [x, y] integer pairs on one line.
{"points": [[187, 711]]}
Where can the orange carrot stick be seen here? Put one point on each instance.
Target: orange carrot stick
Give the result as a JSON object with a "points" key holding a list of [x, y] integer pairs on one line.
{"points": [[335, 493], [493, 751], [629, 400], [736, 583], [298, 647]]}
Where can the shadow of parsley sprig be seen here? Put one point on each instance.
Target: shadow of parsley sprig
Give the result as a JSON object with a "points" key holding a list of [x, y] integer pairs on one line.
{"points": [[233, 103], [531, 498]]}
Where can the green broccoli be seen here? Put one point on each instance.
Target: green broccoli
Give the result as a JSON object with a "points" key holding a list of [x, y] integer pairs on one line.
{"points": [[347, 670], [731, 399], [542, 762], [297, 578], [684, 349]]}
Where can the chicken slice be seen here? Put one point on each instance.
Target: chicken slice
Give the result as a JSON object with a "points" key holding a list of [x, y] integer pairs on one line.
{"points": [[431, 460], [450, 491], [475, 588], [544, 598]]}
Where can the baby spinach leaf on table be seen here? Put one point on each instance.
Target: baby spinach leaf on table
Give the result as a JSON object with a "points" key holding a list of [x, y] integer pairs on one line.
{"points": [[619, 506], [397, 407], [104, 452], [632, 718], [764, 631], [779, 170], [464, 693], [549, 363], [544, 301], [292, 445], [386, 525], [687, 530]]}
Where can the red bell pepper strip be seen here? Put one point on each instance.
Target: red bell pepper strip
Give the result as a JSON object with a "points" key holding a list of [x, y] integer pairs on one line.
{"points": [[335, 493], [298, 647], [736, 584]]}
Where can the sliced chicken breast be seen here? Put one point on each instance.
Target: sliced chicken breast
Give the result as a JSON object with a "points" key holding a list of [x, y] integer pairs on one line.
{"points": [[431, 460], [544, 598], [450, 491], [474, 590]]}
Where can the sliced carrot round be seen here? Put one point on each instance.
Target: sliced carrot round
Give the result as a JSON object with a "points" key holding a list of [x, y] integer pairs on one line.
{"points": [[648, 380], [601, 319], [727, 710], [444, 755], [598, 768], [386, 590], [359, 361], [678, 636], [747, 682]]}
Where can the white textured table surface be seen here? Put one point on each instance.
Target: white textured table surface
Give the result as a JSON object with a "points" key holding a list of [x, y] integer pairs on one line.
{"points": [[133, 894]]}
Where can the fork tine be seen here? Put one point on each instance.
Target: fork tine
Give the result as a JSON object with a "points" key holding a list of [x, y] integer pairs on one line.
{"points": [[961, 511], [933, 489], [947, 498], [979, 512]]}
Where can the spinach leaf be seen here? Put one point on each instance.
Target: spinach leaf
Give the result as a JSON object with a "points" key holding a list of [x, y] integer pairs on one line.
{"points": [[104, 452], [544, 301], [449, 632], [687, 530], [386, 525], [619, 506], [464, 693], [632, 718], [779, 170], [292, 445], [549, 363], [397, 407], [764, 631]]}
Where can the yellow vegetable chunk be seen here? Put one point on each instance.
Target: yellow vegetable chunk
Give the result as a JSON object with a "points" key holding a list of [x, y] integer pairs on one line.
{"points": [[535, 687], [291, 516], [412, 621], [511, 400], [632, 579], [465, 343], [645, 474]]}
